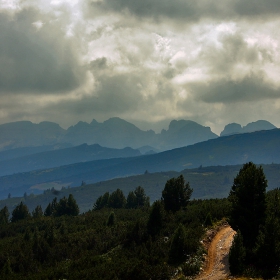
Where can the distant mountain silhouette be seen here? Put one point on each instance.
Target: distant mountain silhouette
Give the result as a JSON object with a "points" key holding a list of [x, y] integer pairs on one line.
{"points": [[182, 133], [234, 128], [24, 151], [113, 133], [26, 134], [55, 158], [261, 147]]}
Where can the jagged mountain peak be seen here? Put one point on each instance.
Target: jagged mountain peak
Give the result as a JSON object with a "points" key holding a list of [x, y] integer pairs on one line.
{"points": [[234, 128]]}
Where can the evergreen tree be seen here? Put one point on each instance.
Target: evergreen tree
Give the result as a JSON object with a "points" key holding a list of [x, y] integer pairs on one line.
{"points": [[37, 212], [176, 194], [54, 205], [61, 208], [208, 220], [111, 219], [20, 212], [4, 215], [102, 201], [72, 206], [137, 198], [267, 251], [48, 210], [131, 200], [117, 199], [155, 221], [141, 198], [237, 255], [247, 196], [178, 252]]}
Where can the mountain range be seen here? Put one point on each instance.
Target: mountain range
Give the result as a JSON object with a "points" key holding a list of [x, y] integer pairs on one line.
{"points": [[25, 137], [66, 156], [234, 128], [113, 133], [261, 147]]}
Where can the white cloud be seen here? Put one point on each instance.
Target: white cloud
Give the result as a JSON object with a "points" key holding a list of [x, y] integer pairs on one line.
{"points": [[166, 60]]}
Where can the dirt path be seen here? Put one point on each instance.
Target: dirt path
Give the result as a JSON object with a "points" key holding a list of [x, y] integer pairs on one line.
{"points": [[217, 259]]}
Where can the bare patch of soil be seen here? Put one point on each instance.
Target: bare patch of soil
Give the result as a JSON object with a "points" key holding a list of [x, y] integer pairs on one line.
{"points": [[218, 243]]}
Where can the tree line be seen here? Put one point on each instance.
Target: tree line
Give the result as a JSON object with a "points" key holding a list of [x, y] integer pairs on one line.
{"points": [[124, 237], [65, 206]]}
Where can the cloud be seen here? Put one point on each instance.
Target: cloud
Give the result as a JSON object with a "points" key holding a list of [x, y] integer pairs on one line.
{"points": [[36, 57], [250, 89], [144, 61], [192, 10]]}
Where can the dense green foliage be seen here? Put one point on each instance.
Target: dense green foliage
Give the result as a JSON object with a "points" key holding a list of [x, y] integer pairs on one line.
{"points": [[119, 243], [116, 199], [176, 194], [126, 238], [65, 206], [20, 213], [237, 255], [247, 196], [256, 214]]}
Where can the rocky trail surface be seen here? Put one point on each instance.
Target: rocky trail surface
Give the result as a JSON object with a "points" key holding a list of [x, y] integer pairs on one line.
{"points": [[218, 244]]}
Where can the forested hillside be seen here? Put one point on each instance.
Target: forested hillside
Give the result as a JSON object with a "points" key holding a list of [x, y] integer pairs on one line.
{"points": [[123, 237]]}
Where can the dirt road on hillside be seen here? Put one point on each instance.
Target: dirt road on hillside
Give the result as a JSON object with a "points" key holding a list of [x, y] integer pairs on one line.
{"points": [[216, 267]]}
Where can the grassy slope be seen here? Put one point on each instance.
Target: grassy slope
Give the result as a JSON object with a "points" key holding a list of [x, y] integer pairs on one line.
{"points": [[207, 182]]}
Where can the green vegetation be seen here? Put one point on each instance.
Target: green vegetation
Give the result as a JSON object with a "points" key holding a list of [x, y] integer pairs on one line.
{"points": [[139, 242], [116, 199], [206, 182], [247, 197], [176, 194], [255, 214], [123, 237]]}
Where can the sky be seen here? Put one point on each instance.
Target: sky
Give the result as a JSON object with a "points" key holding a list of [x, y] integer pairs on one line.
{"points": [[148, 62]]}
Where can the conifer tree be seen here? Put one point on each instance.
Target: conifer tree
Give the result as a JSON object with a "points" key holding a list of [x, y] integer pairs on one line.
{"points": [[237, 255], [176, 194], [248, 199], [111, 219], [20, 212], [117, 199], [131, 200], [37, 212], [48, 210], [102, 201], [178, 253], [155, 221], [4, 215], [72, 206]]}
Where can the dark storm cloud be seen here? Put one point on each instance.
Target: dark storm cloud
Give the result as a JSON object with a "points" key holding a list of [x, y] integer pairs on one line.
{"points": [[36, 59], [250, 89], [193, 10]]}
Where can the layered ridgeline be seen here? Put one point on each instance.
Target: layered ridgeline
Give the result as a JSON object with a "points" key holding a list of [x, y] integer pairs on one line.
{"points": [[261, 147], [234, 128], [207, 182], [113, 133], [25, 137], [59, 157]]}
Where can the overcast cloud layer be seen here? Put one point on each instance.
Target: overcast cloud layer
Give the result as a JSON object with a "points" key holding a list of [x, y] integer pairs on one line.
{"points": [[151, 61]]}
